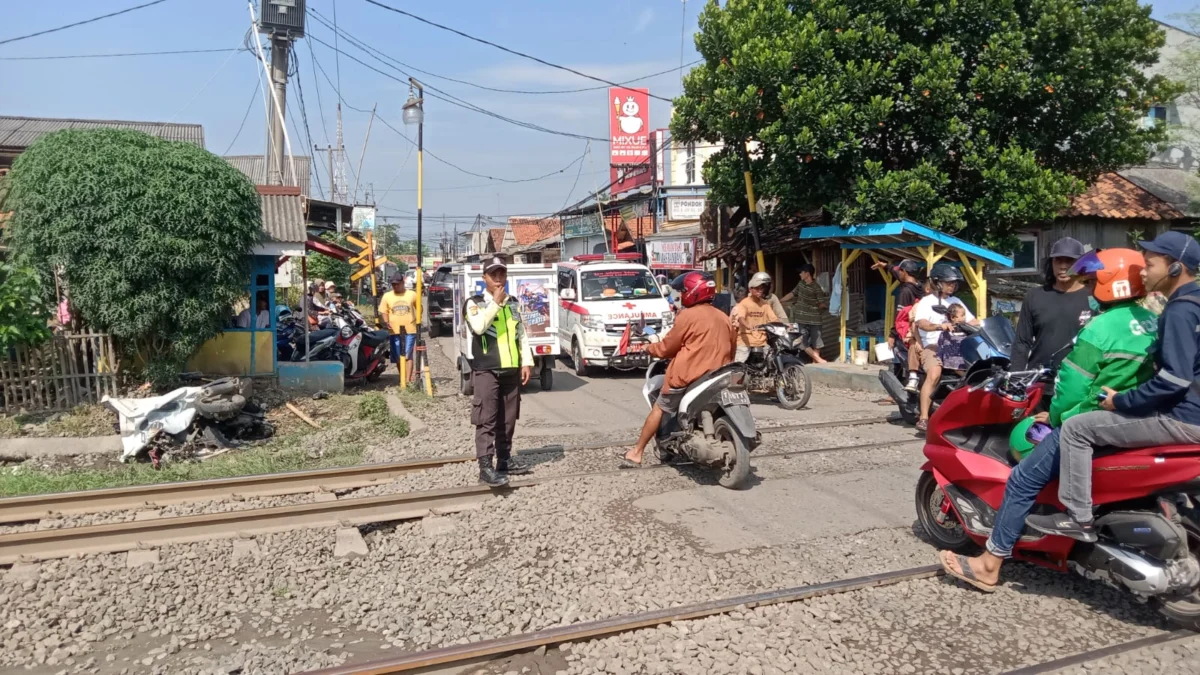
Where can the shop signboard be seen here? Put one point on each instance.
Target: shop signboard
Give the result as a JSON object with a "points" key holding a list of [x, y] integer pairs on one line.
{"points": [[363, 218], [685, 208], [673, 254], [587, 225], [629, 125], [626, 178]]}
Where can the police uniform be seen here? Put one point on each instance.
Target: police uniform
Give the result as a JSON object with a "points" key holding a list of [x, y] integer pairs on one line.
{"points": [[497, 350]]}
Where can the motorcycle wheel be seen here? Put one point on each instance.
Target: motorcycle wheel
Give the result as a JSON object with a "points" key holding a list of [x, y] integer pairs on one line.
{"points": [[1185, 610], [793, 387], [944, 529], [377, 373], [735, 472], [220, 407]]}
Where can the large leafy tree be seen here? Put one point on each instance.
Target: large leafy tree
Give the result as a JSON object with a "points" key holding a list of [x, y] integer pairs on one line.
{"points": [[971, 116], [152, 236]]}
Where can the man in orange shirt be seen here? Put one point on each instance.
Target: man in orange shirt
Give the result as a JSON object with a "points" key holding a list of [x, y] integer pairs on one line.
{"points": [[753, 311], [700, 342]]}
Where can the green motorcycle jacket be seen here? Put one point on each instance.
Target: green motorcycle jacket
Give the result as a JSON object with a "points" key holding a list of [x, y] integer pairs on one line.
{"points": [[1112, 350]]}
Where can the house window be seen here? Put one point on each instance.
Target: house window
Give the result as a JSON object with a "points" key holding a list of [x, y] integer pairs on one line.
{"points": [[1025, 256], [689, 165], [1156, 115]]}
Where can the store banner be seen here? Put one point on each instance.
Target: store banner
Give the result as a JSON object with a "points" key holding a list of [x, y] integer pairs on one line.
{"points": [[685, 208], [587, 225], [678, 254], [629, 125], [363, 218], [626, 178]]}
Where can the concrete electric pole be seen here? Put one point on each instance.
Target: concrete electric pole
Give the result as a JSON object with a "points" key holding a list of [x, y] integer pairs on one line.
{"points": [[282, 21]]}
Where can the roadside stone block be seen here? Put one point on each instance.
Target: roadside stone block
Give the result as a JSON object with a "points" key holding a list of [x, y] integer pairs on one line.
{"points": [[138, 558]]}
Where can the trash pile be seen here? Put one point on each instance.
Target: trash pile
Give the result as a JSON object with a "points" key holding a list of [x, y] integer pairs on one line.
{"points": [[190, 422]]}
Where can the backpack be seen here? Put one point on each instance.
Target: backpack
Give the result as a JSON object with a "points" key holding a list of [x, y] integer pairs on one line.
{"points": [[903, 323]]}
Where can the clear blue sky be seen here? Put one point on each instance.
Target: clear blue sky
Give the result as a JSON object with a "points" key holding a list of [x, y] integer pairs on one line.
{"points": [[614, 39]]}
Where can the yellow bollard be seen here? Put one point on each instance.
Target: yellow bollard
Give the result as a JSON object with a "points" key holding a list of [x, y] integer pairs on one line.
{"points": [[403, 372]]}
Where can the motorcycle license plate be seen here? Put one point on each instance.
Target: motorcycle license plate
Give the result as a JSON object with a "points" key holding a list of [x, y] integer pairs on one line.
{"points": [[735, 398]]}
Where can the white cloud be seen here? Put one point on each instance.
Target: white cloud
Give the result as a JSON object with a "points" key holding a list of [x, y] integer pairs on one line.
{"points": [[644, 20]]}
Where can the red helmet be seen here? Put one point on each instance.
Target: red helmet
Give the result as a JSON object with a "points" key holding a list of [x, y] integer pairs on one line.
{"points": [[697, 288]]}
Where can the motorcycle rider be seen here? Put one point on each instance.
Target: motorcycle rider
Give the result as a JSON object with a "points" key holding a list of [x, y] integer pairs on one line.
{"points": [[701, 341], [930, 325], [501, 363], [1164, 410], [1052, 314], [753, 311], [1110, 351]]}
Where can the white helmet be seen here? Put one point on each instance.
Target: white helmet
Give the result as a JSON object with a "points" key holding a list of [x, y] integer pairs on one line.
{"points": [[760, 279]]}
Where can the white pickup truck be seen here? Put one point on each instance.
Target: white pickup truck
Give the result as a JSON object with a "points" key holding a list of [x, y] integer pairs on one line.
{"points": [[535, 286]]}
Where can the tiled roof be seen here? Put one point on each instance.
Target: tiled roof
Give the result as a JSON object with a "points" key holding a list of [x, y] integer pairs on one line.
{"points": [[282, 213], [21, 132], [255, 168], [1113, 196], [528, 230], [496, 234]]}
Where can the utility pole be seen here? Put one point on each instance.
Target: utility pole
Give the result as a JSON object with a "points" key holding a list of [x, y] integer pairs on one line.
{"points": [[280, 47]]}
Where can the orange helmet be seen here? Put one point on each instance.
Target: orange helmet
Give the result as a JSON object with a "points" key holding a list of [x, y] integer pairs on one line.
{"points": [[1117, 272]]}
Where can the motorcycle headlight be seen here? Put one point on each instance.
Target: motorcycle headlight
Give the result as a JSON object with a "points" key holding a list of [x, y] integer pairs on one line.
{"points": [[668, 319], [347, 332]]}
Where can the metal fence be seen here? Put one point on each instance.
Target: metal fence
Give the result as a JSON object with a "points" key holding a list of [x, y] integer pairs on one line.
{"points": [[69, 369]]}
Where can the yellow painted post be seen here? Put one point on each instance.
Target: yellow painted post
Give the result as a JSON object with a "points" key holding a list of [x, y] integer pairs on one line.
{"points": [[403, 370], [976, 282], [847, 261], [889, 312], [981, 305]]}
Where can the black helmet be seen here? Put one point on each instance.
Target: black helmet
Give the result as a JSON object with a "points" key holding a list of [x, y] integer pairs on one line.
{"points": [[945, 272]]}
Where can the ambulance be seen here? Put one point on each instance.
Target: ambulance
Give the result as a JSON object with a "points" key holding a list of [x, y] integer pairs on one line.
{"points": [[599, 296]]}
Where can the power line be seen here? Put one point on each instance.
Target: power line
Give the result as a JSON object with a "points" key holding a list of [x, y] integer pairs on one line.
{"points": [[503, 48], [312, 164], [321, 19], [586, 150], [436, 93], [320, 105], [257, 86], [80, 23], [111, 56]]}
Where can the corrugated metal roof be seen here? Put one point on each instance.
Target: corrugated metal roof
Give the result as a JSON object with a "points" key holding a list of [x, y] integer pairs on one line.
{"points": [[21, 132], [282, 216], [255, 168]]}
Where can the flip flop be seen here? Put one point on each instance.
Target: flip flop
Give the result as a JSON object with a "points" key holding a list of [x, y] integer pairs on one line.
{"points": [[967, 575], [627, 463], [922, 425]]}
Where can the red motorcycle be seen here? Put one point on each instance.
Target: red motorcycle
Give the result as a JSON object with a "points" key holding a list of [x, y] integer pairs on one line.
{"points": [[1147, 501]]}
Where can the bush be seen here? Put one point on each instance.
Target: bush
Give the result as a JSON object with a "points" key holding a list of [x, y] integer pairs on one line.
{"points": [[373, 408], [24, 309], [152, 236]]}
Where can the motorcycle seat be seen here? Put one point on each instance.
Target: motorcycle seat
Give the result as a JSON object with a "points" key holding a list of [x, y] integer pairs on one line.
{"points": [[727, 368], [318, 335], [374, 338]]}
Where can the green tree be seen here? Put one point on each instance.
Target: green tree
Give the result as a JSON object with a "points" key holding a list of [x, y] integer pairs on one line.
{"points": [[321, 266], [152, 236], [24, 309], [971, 116]]}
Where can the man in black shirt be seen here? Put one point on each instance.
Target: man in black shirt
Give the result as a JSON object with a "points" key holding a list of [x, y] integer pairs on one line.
{"points": [[1052, 315]]}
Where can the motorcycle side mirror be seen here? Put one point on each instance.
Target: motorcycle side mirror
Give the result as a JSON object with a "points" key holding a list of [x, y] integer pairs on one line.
{"points": [[567, 294], [941, 309]]}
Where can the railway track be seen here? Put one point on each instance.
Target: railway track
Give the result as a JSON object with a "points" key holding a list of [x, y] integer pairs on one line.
{"points": [[49, 544], [457, 657], [36, 507]]}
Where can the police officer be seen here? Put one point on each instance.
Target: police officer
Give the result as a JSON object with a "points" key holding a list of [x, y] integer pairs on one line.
{"points": [[501, 362]]}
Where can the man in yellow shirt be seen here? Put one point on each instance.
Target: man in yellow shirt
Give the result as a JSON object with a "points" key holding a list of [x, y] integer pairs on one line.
{"points": [[398, 309]]}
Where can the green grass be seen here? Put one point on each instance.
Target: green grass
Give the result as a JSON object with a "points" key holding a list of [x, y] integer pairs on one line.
{"points": [[372, 408], [89, 419], [285, 455]]}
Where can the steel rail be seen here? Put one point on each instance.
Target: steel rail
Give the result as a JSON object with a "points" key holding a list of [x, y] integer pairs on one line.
{"points": [[1103, 652], [35, 507], [476, 652], [128, 535]]}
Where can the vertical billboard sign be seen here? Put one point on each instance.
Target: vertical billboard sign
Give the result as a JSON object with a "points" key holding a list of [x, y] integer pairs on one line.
{"points": [[629, 125]]}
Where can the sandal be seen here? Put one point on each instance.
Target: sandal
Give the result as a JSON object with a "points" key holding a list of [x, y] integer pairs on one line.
{"points": [[967, 575], [627, 463], [922, 425]]}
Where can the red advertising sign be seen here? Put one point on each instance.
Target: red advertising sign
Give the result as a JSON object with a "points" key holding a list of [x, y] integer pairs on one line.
{"points": [[629, 125], [625, 178]]}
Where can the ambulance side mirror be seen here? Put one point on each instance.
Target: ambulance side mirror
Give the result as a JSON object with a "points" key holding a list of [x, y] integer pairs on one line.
{"points": [[567, 294]]}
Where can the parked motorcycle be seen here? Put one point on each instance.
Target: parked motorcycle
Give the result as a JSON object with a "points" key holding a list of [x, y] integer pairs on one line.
{"points": [[362, 351], [986, 349], [714, 426], [1147, 501], [779, 368]]}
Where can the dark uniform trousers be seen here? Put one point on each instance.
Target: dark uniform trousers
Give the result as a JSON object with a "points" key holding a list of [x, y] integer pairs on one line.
{"points": [[495, 408]]}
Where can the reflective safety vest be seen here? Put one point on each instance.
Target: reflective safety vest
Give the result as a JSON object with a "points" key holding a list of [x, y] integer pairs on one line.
{"points": [[499, 347]]}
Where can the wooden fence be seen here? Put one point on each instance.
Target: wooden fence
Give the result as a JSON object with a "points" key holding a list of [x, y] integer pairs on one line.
{"points": [[68, 370]]}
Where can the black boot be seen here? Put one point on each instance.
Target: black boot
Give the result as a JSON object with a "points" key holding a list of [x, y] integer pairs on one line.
{"points": [[489, 476], [512, 466]]}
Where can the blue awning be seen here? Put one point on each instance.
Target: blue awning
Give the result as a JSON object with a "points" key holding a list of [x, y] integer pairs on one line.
{"points": [[900, 238]]}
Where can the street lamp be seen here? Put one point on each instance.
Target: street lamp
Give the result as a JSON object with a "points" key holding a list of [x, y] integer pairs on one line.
{"points": [[414, 113]]}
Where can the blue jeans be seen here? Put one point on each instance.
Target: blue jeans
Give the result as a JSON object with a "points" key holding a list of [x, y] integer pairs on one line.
{"points": [[409, 340], [1024, 483]]}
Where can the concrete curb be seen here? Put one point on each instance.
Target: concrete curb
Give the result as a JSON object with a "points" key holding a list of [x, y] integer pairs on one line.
{"points": [[15, 449], [854, 378], [397, 408]]}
